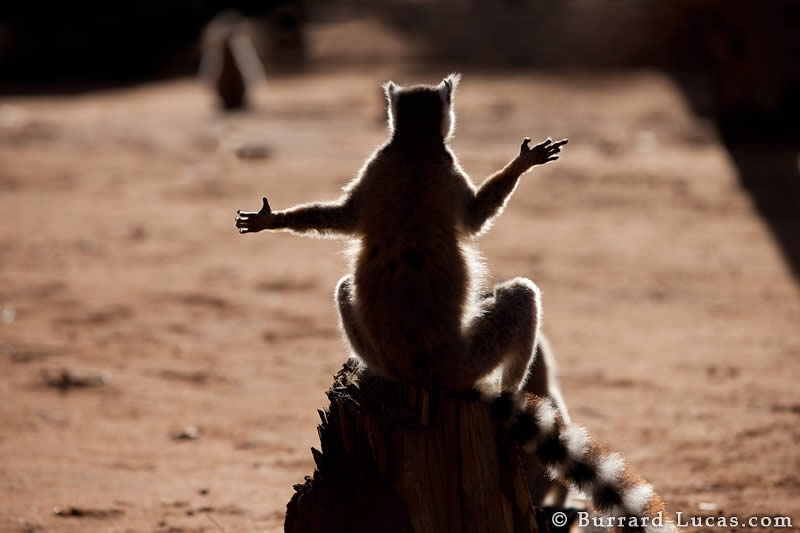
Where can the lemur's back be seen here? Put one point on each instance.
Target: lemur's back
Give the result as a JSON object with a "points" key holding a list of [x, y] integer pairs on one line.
{"points": [[411, 276], [403, 309]]}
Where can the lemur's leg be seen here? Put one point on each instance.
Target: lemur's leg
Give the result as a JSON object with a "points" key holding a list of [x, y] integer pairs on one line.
{"points": [[544, 376], [543, 382], [504, 333], [350, 323]]}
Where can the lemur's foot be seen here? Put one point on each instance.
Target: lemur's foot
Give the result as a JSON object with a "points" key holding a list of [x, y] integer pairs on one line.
{"points": [[540, 154], [252, 221]]}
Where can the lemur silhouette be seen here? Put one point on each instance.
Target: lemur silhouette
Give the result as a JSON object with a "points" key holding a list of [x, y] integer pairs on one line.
{"points": [[414, 309]]}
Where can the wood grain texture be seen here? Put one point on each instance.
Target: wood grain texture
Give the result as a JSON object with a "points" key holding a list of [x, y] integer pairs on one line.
{"points": [[402, 458]]}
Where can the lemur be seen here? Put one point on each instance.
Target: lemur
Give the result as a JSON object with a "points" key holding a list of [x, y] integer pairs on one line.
{"points": [[414, 311], [230, 63]]}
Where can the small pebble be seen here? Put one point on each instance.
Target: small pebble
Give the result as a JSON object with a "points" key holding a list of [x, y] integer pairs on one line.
{"points": [[187, 433], [706, 506], [253, 151]]}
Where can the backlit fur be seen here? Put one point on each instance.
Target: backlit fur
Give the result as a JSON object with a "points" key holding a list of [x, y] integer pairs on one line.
{"points": [[414, 309]]}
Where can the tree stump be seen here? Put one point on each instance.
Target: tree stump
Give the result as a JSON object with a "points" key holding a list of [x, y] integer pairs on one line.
{"points": [[398, 458]]}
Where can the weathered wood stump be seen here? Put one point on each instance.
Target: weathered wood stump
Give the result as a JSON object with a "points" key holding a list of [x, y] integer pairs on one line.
{"points": [[399, 458]]}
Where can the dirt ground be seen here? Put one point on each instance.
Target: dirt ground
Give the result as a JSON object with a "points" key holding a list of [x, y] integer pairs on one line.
{"points": [[669, 305]]}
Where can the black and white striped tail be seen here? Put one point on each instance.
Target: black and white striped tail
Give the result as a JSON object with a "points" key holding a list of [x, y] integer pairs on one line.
{"points": [[574, 459]]}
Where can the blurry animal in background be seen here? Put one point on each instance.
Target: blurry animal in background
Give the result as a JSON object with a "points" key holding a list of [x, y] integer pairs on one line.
{"points": [[415, 311], [230, 63]]}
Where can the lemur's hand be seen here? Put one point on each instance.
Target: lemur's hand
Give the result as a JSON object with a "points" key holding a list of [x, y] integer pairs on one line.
{"points": [[251, 222], [540, 154]]}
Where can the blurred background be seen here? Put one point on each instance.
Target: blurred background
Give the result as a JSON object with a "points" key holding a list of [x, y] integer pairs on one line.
{"points": [[158, 367]]}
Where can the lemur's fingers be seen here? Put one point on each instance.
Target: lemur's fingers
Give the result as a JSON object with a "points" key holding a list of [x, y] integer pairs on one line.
{"points": [[556, 147], [240, 223], [545, 143], [244, 230], [524, 147], [552, 158], [265, 208]]}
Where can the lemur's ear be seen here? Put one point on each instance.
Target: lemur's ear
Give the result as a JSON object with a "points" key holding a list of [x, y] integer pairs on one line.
{"points": [[448, 86], [391, 89]]}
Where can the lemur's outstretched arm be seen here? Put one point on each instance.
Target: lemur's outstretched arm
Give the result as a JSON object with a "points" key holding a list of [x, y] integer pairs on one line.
{"points": [[491, 197], [339, 217]]}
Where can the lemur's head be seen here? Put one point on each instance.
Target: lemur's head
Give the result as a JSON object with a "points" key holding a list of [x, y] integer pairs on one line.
{"points": [[422, 111]]}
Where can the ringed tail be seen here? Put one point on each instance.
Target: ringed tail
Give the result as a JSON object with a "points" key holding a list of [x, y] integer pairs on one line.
{"points": [[572, 457]]}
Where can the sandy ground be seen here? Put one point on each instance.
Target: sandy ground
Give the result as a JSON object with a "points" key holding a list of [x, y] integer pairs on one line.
{"points": [[672, 313]]}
